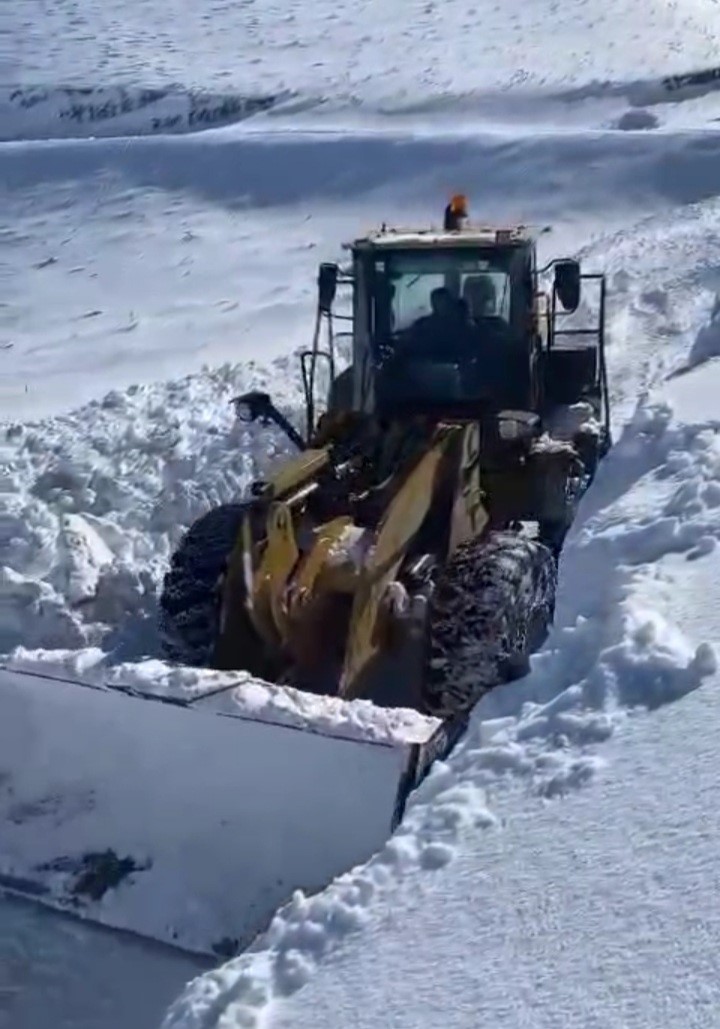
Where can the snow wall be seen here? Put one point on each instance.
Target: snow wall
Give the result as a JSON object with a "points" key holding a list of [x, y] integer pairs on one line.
{"points": [[37, 112], [186, 822], [62, 112]]}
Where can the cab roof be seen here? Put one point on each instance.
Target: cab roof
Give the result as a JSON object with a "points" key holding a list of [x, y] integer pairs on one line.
{"points": [[469, 236]]}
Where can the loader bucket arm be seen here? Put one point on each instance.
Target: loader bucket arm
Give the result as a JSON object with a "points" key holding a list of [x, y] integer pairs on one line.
{"points": [[398, 528]]}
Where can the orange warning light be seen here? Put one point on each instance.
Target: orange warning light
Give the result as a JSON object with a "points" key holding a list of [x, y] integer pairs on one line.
{"points": [[458, 205], [456, 213]]}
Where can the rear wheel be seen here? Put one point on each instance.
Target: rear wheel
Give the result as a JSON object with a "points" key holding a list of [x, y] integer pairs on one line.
{"points": [[491, 608]]}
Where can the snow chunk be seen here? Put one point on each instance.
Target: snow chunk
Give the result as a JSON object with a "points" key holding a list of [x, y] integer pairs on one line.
{"points": [[82, 555]]}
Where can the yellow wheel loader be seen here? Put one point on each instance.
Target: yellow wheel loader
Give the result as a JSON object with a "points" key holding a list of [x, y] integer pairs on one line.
{"points": [[407, 554], [342, 620]]}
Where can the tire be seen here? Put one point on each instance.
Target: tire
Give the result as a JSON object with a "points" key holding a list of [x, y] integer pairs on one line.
{"points": [[189, 601], [490, 609]]}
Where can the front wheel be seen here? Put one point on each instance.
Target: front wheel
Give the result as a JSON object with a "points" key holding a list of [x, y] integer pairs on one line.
{"points": [[491, 608], [190, 598]]}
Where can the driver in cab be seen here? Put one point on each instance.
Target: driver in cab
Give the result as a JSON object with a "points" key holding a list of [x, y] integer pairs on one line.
{"points": [[445, 331]]}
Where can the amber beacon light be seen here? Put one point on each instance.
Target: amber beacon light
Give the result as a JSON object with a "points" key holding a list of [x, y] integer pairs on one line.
{"points": [[456, 213]]}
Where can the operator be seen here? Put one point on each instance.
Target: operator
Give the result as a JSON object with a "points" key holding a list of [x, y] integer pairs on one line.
{"points": [[492, 345], [444, 330], [480, 296]]}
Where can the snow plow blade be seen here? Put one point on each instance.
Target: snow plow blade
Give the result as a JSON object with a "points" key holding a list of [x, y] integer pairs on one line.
{"points": [[190, 820]]}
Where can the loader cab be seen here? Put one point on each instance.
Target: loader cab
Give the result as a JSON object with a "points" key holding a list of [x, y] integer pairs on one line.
{"points": [[443, 322], [454, 323]]}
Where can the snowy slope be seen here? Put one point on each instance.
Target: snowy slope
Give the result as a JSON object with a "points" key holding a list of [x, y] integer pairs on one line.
{"points": [[145, 256], [366, 52]]}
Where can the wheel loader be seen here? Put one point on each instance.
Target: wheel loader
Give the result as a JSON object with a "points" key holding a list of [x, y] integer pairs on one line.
{"points": [[408, 552], [399, 565]]}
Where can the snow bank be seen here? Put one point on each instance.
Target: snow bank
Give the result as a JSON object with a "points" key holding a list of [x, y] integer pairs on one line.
{"points": [[600, 910], [589, 906], [617, 652], [53, 113], [520, 169], [81, 112], [96, 500]]}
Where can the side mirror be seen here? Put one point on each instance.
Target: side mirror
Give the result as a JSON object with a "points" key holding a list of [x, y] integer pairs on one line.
{"points": [[252, 407], [257, 406], [567, 284], [327, 286]]}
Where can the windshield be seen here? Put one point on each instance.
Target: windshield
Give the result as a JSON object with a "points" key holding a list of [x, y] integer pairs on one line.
{"points": [[445, 324], [416, 285]]}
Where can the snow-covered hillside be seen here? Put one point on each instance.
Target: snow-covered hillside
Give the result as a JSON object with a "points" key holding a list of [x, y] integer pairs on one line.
{"points": [[365, 52], [236, 147]]}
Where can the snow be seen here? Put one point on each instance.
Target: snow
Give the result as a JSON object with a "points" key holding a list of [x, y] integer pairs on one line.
{"points": [[342, 54], [234, 694], [153, 272], [599, 910]]}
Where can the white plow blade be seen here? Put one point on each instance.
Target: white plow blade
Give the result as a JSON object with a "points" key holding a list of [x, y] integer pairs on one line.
{"points": [[185, 822]]}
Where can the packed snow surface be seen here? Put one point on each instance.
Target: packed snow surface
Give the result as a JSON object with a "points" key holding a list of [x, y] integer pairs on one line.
{"points": [[155, 270], [56, 971], [597, 910]]}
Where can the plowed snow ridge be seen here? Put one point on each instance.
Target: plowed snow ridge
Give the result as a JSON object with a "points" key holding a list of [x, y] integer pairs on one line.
{"points": [[84, 111]]}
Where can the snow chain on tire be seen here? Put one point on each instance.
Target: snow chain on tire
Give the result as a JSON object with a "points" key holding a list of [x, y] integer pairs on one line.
{"points": [[189, 603], [490, 609]]}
